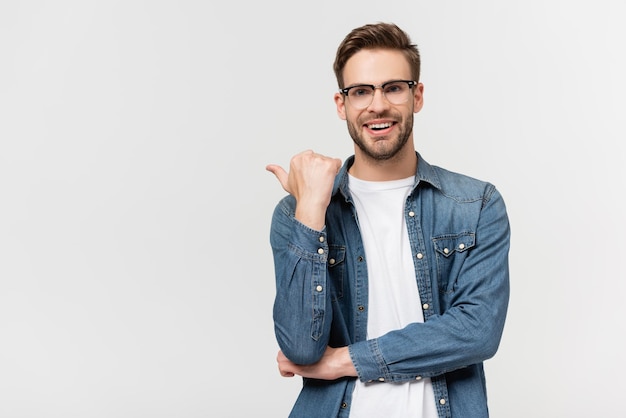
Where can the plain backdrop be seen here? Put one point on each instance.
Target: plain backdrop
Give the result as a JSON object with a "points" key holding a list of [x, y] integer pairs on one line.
{"points": [[136, 277]]}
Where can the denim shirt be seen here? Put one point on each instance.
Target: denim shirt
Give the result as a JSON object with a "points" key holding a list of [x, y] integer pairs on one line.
{"points": [[459, 234]]}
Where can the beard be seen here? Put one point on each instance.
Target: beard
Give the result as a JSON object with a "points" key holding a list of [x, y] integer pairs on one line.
{"points": [[389, 148]]}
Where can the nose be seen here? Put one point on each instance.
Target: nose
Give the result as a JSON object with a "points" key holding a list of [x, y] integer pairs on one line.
{"points": [[379, 102]]}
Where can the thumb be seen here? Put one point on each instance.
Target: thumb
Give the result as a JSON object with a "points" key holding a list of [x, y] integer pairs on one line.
{"points": [[280, 174]]}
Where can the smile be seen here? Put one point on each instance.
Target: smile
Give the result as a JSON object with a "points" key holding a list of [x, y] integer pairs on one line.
{"points": [[377, 126]]}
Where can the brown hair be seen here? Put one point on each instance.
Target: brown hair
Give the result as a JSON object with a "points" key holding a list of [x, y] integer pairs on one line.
{"points": [[378, 35]]}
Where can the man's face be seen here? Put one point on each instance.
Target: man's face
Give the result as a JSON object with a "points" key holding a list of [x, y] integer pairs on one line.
{"points": [[381, 129]]}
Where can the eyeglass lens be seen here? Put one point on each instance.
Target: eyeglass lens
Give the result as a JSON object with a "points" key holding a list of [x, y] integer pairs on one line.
{"points": [[394, 92]]}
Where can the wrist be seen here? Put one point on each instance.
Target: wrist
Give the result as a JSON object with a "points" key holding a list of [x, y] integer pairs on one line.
{"points": [[313, 218], [345, 362]]}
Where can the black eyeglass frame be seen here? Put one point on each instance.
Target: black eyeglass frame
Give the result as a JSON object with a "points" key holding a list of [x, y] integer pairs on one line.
{"points": [[346, 90]]}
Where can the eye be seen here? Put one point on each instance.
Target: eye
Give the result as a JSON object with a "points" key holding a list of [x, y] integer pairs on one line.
{"points": [[395, 88], [360, 91]]}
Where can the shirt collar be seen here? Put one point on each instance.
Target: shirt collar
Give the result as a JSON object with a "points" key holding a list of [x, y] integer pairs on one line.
{"points": [[425, 174]]}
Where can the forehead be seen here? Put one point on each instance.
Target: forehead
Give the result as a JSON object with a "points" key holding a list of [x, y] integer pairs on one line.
{"points": [[375, 66]]}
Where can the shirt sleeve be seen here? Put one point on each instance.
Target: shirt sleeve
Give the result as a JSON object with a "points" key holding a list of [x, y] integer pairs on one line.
{"points": [[302, 308]]}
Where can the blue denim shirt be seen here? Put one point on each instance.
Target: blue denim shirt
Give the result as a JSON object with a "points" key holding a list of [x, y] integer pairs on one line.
{"points": [[459, 234]]}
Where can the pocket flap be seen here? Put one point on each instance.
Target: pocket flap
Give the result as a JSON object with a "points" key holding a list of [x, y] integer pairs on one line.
{"points": [[448, 244]]}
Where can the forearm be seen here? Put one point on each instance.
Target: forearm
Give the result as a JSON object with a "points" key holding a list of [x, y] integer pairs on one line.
{"points": [[440, 345], [302, 309]]}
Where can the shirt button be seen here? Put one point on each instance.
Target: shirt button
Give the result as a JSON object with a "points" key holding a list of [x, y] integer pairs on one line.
{"points": [[331, 261], [411, 214], [319, 288], [361, 308], [418, 378], [446, 251], [461, 246], [320, 251], [381, 379], [344, 405], [360, 258], [321, 239], [425, 306], [419, 256], [442, 401]]}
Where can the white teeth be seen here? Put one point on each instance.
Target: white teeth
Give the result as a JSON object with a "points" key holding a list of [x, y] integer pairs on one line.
{"points": [[379, 125]]}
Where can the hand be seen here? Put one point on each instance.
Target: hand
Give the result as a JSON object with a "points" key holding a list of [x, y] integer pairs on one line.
{"points": [[310, 181], [335, 363]]}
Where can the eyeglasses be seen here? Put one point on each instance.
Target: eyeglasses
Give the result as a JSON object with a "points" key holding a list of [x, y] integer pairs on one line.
{"points": [[362, 95]]}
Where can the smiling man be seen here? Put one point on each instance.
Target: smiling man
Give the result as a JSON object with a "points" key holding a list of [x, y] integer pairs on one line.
{"points": [[392, 281]]}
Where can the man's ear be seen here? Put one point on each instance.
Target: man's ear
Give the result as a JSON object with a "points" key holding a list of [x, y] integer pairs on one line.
{"points": [[418, 98], [341, 105]]}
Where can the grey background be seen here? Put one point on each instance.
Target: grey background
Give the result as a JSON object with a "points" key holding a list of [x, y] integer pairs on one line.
{"points": [[135, 271]]}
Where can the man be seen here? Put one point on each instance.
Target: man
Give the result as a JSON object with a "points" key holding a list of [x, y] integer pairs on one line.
{"points": [[392, 280]]}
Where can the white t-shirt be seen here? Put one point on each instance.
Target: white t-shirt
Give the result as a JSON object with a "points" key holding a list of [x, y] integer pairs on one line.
{"points": [[394, 300]]}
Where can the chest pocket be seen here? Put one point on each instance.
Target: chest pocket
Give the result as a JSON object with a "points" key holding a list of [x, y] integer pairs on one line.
{"points": [[336, 270], [450, 252]]}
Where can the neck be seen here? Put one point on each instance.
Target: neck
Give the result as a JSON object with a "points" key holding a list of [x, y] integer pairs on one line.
{"points": [[400, 166]]}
